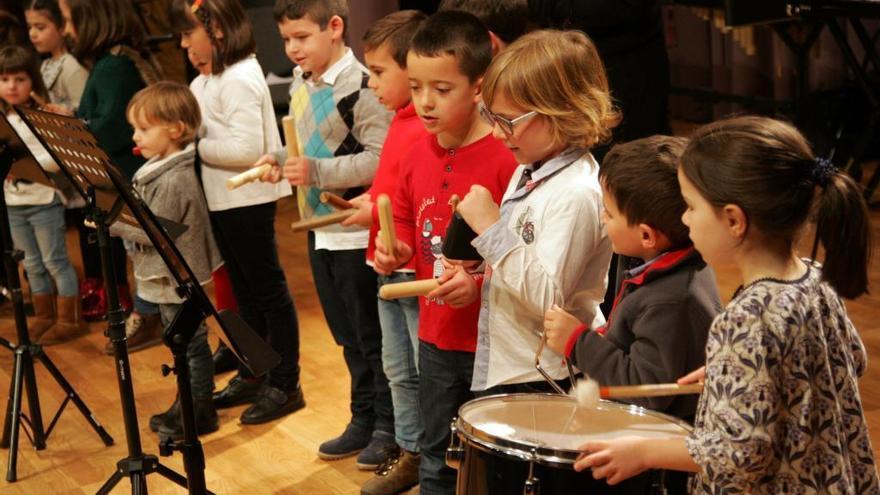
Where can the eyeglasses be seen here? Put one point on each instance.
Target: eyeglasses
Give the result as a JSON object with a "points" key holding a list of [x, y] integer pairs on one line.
{"points": [[506, 125]]}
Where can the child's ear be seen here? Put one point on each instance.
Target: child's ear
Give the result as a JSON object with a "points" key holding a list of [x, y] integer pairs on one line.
{"points": [[478, 90], [175, 131], [497, 44], [736, 219], [337, 27], [652, 238]]}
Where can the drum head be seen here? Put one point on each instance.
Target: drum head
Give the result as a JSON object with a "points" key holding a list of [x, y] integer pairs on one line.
{"points": [[549, 428]]}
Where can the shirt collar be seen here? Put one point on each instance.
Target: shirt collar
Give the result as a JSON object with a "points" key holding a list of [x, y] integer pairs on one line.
{"points": [[332, 73]]}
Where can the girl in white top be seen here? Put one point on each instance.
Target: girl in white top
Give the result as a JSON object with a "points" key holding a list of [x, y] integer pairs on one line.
{"points": [[64, 77], [36, 215], [547, 97], [238, 127]]}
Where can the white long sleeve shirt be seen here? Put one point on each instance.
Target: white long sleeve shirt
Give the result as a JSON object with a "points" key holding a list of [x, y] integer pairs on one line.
{"points": [[549, 247], [238, 127]]}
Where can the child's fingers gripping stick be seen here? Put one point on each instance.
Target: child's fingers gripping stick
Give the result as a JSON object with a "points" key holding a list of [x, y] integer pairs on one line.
{"points": [[386, 223]]}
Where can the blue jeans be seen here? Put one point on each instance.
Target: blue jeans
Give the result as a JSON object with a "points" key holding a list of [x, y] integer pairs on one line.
{"points": [[399, 320], [198, 355], [445, 384], [39, 232]]}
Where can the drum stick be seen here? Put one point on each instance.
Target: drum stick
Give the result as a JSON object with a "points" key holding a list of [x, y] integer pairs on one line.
{"points": [[323, 220], [653, 390], [335, 200], [408, 289], [251, 175], [386, 223]]}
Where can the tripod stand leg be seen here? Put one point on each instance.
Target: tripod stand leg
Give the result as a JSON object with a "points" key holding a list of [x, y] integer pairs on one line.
{"points": [[36, 414], [172, 475], [14, 417], [83, 408], [7, 419], [138, 483], [111, 483]]}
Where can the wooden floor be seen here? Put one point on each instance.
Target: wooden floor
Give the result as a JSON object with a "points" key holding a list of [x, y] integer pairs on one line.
{"points": [[278, 458]]}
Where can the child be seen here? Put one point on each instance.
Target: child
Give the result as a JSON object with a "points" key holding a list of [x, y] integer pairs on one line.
{"points": [[657, 329], [341, 126], [385, 47], [165, 117], [780, 411], [506, 20], [36, 215], [109, 40], [445, 65], [239, 126], [64, 77], [548, 100]]}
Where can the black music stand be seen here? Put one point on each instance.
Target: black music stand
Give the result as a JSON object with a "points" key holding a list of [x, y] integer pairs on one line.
{"points": [[111, 198], [17, 160]]}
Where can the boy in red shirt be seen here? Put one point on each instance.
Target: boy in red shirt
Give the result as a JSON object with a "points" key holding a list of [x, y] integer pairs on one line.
{"points": [[445, 63], [385, 46]]}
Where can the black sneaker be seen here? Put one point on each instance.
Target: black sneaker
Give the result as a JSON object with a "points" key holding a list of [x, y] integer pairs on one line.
{"points": [[271, 404], [381, 448], [353, 440], [206, 421], [237, 392], [158, 420]]}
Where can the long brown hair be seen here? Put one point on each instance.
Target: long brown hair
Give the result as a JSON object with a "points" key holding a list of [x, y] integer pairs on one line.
{"points": [[227, 16], [15, 58], [102, 24], [766, 167]]}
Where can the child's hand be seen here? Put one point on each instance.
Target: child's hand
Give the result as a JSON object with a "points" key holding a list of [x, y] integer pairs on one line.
{"points": [[478, 209], [364, 215], [457, 287], [59, 109], [296, 171], [615, 460], [696, 376], [273, 175], [558, 327], [384, 263]]}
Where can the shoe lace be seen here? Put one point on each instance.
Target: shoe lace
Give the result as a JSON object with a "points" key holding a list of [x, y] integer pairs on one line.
{"points": [[392, 456]]}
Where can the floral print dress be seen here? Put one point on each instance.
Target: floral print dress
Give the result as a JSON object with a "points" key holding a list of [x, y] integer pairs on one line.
{"points": [[780, 412]]}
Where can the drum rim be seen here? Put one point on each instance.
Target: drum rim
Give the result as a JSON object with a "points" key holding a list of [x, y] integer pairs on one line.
{"points": [[530, 452]]}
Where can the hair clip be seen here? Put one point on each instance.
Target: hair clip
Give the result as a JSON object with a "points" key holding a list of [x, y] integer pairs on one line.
{"points": [[822, 171], [195, 6]]}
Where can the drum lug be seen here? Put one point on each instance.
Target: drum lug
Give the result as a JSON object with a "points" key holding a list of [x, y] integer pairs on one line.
{"points": [[455, 451], [532, 486]]}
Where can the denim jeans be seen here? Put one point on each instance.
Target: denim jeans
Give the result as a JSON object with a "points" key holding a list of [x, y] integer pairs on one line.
{"points": [[39, 231], [399, 319], [198, 355], [246, 238], [445, 384], [347, 288]]}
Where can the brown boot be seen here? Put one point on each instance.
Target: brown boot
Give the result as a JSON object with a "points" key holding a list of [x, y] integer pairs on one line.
{"points": [[70, 323], [140, 332], [396, 475], [44, 316]]}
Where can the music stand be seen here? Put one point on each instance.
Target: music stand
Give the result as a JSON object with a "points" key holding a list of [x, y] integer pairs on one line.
{"points": [[17, 160], [111, 198]]}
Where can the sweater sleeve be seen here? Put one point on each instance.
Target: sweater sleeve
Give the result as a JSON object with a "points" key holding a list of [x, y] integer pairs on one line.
{"points": [[371, 121], [237, 141], [113, 82]]}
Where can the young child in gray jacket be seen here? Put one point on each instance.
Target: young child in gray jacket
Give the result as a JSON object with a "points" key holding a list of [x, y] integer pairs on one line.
{"points": [[166, 117]]}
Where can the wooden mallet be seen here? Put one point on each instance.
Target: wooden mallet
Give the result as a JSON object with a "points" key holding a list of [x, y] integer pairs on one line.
{"points": [[386, 223], [408, 289], [255, 174]]}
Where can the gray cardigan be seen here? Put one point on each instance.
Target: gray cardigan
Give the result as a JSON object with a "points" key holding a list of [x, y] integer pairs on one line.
{"points": [[172, 191], [656, 331]]}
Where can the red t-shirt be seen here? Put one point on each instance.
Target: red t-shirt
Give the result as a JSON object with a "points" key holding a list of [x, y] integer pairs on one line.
{"points": [[406, 128], [429, 176]]}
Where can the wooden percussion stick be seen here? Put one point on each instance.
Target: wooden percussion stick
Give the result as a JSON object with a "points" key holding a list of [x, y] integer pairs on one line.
{"points": [[335, 200], [386, 223], [408, 289], [255, 174], [652, 390], [323, 220]]}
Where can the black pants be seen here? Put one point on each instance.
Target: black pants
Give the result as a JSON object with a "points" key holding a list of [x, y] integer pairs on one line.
{"points": [[246, 238], [347, 289]]}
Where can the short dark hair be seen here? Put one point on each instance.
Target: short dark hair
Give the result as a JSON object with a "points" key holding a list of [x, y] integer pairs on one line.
{"points": [[102, 24], [229, 17], [397, 31], [642, 177], [319, 11], [16, 58], [50, 7], [459, 34], [508, 19]]}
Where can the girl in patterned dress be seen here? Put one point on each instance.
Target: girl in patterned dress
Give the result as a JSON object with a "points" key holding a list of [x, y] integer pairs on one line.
{"points": [[780, 410]]}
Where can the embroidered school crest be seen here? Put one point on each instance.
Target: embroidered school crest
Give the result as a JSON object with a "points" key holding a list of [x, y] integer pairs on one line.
{"points": [[525, 226]]}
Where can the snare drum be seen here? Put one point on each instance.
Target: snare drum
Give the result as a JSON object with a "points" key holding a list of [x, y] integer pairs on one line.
{"points": [[528, 443]]}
